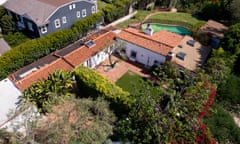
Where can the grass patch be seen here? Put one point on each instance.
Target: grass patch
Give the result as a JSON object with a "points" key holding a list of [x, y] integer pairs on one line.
{"points": [[182, 19], [139, 17], [133, 83]]}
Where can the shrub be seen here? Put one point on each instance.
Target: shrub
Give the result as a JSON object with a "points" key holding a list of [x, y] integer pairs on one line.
{"points": [[92, 84], [32, 50]]}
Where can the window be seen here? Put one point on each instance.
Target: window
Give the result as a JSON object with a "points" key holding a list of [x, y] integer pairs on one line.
{"points": [[30, 26], [74, 6], [133, 54], [70, 7], [181, 55], [44, 29], [93, 9], [57, 23], [64, 19], [84, 13], [78, 14]]}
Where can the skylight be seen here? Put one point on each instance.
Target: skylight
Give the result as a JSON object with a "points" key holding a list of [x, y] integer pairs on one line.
{"points": [[181, 55], [89, 43]]}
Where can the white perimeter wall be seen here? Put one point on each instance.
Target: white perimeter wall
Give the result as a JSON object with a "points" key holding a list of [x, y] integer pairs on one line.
{"points": [[144, 56]]}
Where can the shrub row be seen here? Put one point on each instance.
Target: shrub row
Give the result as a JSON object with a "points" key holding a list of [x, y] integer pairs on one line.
{"points": [[32, 50], [92, 84]]}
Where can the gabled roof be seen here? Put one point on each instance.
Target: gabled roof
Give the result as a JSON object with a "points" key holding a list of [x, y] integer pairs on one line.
{"points": [[214, 29], [83, 53], [64, 59], [160, 42], [36, 10]]}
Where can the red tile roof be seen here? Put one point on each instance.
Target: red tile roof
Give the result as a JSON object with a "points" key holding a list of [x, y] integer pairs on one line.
{"points": [[47, 65], [160, 42], [42, 73], [83, 53]]}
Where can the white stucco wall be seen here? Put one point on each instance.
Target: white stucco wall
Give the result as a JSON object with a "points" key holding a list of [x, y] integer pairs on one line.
{"points": [[144, 56]]}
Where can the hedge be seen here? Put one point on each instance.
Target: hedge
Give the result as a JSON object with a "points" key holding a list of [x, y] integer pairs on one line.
{"points": [[32, 50], [93, 84]]}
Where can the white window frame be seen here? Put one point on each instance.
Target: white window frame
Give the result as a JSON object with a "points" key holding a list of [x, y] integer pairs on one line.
{"points": [[64, 19], [74, 6], [94, 9], [57, 23], [84, 13], [44, 29], [70, 7], [78, 14]]}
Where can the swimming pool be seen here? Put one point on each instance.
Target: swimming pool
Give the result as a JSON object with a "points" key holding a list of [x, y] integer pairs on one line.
{"points": [[175, 29]]}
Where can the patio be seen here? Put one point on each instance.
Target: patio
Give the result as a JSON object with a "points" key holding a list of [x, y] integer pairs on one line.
{"points": [[120, 69]]}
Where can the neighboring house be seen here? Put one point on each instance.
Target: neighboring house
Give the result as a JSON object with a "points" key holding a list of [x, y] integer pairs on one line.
{"points": [[89, 52], [9, 97], [42, 17], [156, 49], [3, 46], [215, 30]]}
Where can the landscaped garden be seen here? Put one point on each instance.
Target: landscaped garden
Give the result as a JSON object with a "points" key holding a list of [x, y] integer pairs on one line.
{"points": [[182, 19], [132, 83]]}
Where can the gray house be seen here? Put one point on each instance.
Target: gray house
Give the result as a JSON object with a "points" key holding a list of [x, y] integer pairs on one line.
{"points": [[42, 17]]}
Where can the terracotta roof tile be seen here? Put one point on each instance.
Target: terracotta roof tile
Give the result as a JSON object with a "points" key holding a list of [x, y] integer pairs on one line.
{"points": [[214, 29], [41, 69], [160, 42], [83, 53], [42, 73]]}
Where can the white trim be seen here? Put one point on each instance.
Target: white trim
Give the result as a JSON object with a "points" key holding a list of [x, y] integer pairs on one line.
{"points": [[64, 19], [70, 7], [91, 2], [78, 14], [44, 29], [84, 13], [74, 5], [57, 23], [93, 8]]}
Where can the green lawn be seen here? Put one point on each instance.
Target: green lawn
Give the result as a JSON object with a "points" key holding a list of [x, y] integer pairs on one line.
{"points": [[182, 19], [136, 19], [132, 83]]}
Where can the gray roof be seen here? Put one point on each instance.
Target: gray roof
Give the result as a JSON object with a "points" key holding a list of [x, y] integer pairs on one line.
{"points": [[37, 10], [3, 46]]}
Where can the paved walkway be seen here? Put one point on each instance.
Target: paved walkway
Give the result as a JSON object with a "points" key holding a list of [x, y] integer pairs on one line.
{"points": [[120, 69]]}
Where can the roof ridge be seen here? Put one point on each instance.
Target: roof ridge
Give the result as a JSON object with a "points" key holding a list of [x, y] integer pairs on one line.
{"points": [[145, 37]]}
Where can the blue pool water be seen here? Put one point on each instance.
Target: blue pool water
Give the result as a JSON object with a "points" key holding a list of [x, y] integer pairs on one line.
{"points": [[175, 29]]}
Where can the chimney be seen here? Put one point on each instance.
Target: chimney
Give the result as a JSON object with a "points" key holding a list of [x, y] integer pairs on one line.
{"points": [[170, 56]]}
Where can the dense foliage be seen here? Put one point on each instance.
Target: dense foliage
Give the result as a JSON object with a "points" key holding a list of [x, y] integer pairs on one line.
{"points": [[231, 43], [32, 50], [172, 115], [223, 126], [46, 93], [93, 84]]}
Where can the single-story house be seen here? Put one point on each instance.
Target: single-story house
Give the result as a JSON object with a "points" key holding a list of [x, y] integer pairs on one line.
{"points": [[89, 52], [148, 49], [3, 46], [42, 17], [161, 46], [215, 31]]}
